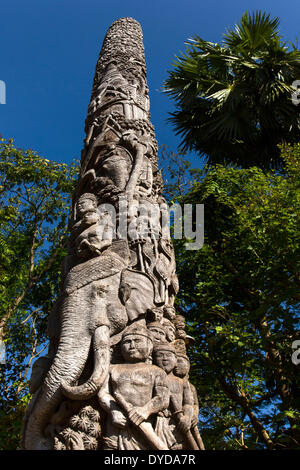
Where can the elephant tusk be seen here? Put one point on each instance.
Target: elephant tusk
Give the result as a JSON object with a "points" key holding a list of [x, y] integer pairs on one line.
{"points": [[89, 389]]}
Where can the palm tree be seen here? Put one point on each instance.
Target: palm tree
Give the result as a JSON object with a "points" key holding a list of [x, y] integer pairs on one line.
{"points": [[234, 99]]}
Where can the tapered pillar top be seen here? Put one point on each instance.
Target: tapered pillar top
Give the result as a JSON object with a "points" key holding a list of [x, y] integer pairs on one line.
{"points": [[120, 96], [123, 49]]}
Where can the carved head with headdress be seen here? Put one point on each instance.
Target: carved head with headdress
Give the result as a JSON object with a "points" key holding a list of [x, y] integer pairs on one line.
{"points": [[86, 203], [182, 367], [136, 343], [164, 356], [157, 331], [169, 329]]}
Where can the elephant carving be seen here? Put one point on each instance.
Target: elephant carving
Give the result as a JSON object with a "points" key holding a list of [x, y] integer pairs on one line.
{"points": [[92, 309]]}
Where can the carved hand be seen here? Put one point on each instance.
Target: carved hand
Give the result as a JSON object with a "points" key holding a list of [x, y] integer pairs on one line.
{"points": [[184, 424], [194, 421], [119, 419], [138, 415]]}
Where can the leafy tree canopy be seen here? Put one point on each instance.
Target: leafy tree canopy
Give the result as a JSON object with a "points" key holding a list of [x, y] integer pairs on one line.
{"points": [[233, 99], [240, 296]]}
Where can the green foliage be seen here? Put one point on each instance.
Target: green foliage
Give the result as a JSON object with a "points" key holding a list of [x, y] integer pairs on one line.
{"points": [[240, 296], [35, 197], [234, 99]]}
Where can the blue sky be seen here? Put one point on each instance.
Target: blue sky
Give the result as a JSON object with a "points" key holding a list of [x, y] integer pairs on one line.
{"points": [[49, 50]]}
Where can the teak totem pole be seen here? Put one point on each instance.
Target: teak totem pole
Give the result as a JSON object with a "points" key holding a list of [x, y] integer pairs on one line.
{"points": [[116, 373]]}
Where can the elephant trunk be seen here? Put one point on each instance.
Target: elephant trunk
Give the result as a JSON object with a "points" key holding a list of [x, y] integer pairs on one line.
{"points": [[83, 320], [101, 368], [68, 364]]}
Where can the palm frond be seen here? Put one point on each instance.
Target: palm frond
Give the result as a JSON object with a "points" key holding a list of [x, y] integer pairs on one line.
{"points": [[254, 31], [234, 99]]}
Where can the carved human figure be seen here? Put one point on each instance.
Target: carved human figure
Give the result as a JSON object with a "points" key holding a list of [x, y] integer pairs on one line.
{"points": [[157, 331], [145, 180], [176, 422], [169, 312], [89, 232], [155, 314], [182, 370], [133, 393], [85, 207], [179, 322], [170, 329], [116, 166], [164, 269], [94, 239]]}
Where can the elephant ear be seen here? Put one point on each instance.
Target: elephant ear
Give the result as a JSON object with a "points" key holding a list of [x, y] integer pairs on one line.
{"points": [[138, 293], [124, 292]]}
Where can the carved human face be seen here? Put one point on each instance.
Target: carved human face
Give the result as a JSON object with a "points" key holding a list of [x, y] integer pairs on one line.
{"points": [[182, 367], [136, 348], [158, 334], [116, 169], [158, 314], [170, 312], [180, 324], [85, 205], [170, 330], [166, 360]]}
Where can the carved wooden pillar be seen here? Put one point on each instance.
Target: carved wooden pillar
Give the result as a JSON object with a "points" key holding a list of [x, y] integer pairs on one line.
{"points": [[116, 373]]}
